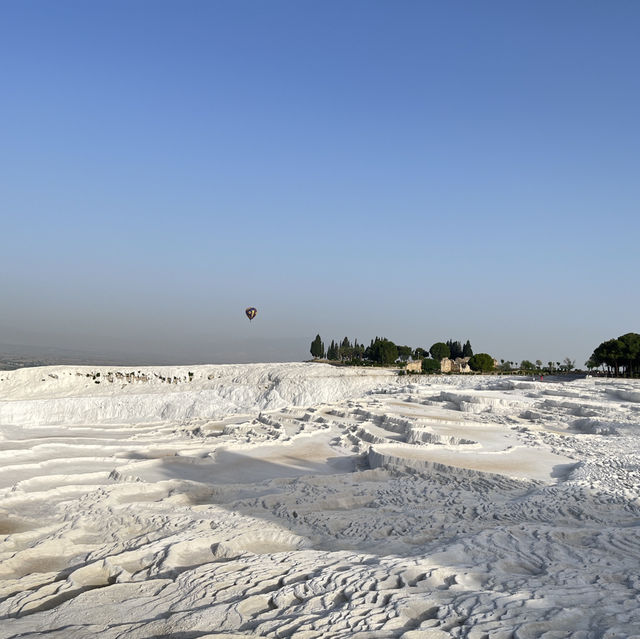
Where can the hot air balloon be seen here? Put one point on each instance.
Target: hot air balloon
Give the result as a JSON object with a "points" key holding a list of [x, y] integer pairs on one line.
{"points": [[251, 312]]}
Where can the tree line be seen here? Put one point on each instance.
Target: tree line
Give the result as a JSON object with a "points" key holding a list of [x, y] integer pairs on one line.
{"points": [[383, 352], [620, 356], [538, 366], [380, 351]]}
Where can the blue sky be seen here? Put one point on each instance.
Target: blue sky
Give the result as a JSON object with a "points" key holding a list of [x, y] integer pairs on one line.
{"points": [[417, 170]]}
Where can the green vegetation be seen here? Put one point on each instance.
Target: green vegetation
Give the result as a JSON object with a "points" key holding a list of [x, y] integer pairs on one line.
{"points": [[439, 351], [383, 352], [430, 365], [481, 362], [618, 357], [527, 366], [317, 347], [619, 354], [455, 349]]}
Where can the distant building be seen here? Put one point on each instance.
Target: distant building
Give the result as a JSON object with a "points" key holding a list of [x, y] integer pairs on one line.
{"points": [[414, 367], [457, 365]]}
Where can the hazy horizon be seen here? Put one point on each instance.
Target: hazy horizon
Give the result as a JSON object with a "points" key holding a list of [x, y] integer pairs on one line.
{"points": [[234, 351], [411, 170]]}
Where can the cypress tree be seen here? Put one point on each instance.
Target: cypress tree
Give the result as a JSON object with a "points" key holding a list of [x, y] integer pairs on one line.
{"points": [[317, 347], [455, 349], [345, 349]]}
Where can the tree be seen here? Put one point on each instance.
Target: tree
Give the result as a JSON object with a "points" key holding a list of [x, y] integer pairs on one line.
{"points": [[404, 352], [538, 364], [419, 353], [317, 347], [467, 351], [368, 352], [382, 351], [430, 365], [346, 350], [621, 352], [455, 349], [568, 364], [526, 365], [481, 362], [631, 352], [439, 351], [611, 354], [332, 351]]}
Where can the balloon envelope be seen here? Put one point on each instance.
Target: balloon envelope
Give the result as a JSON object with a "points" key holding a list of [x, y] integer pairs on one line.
{"points": [[251, 312]]}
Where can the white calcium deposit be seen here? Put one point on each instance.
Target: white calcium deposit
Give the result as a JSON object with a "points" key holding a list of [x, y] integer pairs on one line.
{"points": [[309, 501]]}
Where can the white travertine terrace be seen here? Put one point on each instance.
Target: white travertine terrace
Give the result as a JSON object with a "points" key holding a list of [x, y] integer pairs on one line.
{"points": [[309, 501]]}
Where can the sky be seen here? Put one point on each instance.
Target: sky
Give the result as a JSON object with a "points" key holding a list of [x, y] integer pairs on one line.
{"points": [[416, 170]]}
